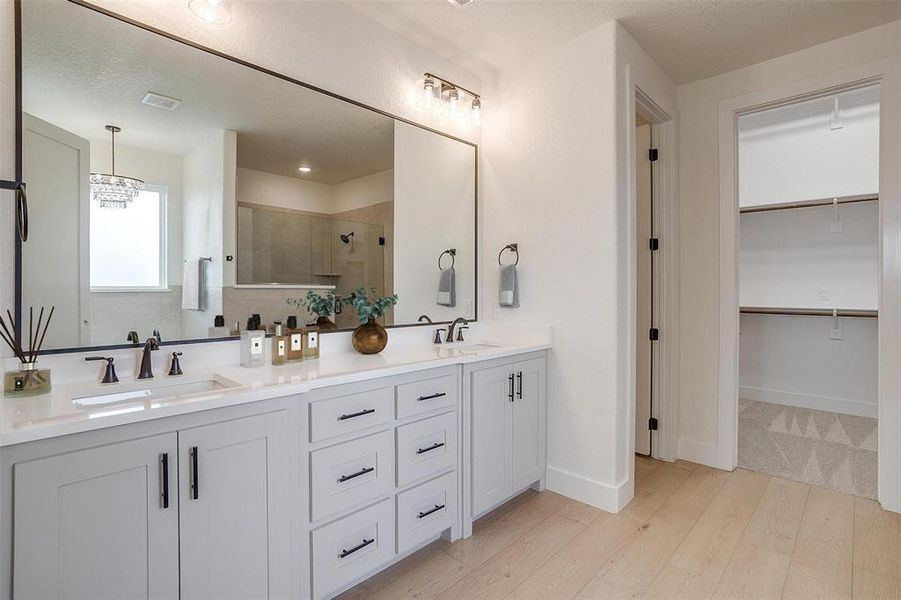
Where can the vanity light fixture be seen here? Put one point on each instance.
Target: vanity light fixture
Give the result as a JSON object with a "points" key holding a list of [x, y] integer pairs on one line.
{"points": [[111, 190], [304, 168], [211, 11], [450, 97]]}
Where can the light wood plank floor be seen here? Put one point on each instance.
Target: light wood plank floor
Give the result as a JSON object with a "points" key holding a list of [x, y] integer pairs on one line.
{"points": [[691, 532]]}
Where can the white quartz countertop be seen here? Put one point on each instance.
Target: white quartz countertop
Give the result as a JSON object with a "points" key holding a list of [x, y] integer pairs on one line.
{"points": [[55, 414]]}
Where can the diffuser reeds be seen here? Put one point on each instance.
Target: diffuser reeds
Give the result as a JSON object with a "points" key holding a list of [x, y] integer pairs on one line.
{"points": [[36, 334]]}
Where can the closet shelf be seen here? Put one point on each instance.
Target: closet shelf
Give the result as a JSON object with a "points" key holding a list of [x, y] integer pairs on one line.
{"points": [[808, 312], [808, 204]]}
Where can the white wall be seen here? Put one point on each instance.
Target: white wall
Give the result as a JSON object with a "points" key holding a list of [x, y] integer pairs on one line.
{"points": [[368, 190], [434, 210], [699, 222], [259, 187], [804, 152], [794, 361], [792, 259], [206, 171], [555, 180]]}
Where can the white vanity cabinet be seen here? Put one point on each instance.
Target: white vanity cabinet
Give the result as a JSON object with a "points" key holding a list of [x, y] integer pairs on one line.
{"points": [[384, 472], [200, 506], [96, 523], [505, 406]]}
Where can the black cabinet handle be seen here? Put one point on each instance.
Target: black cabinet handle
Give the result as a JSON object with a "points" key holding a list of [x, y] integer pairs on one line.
{"points": [[519, 385], [367, 411], [428, 512], [195, 488], [344, 478], [22, 212], [510, 393], [359, 546], [164, 473], [434, 446], [431, 396]]}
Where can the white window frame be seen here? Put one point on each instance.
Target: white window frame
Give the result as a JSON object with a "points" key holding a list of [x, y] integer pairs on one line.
{"points": [[164, 244]]}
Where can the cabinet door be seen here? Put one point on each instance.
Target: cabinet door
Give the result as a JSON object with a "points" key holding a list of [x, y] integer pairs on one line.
{"points": [[492, 441], [93, 523], [234, 509], [528, 423]]}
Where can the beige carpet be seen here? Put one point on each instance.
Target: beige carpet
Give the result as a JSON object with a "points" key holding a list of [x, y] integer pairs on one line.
{"points": [[812, 446]]}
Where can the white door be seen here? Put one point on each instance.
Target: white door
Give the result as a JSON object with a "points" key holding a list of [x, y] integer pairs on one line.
{"points": [[644, 290], [234, 509], [492, 399], [94, 524], [528, 423], [55, 259]]}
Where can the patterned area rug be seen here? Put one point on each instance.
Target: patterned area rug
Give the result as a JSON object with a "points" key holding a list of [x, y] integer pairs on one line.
{"points": [[812, 446]]}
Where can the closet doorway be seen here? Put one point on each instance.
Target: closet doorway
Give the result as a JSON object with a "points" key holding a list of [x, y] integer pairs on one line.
{"points": [[808, 280]]}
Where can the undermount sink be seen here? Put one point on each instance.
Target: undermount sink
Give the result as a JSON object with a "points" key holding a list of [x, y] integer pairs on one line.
{"points": [[164, 390], [474, 348]]}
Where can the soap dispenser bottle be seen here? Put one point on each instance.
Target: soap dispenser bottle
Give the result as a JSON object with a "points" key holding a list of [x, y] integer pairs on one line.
{"points": [[279, 346]]}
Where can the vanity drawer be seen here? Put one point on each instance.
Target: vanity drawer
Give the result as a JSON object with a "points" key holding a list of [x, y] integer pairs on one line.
{"points": [[351, 473], [351, 547], [426, 447], [425, 511], [427, 395], [345, 414]]}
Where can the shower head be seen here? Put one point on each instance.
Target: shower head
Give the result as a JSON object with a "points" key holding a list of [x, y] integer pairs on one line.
{"points": [[346, 237]]}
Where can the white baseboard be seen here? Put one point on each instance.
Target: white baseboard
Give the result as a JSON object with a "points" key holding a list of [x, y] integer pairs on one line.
{"points": [[611, 498], [836, 405], [704, 454]]}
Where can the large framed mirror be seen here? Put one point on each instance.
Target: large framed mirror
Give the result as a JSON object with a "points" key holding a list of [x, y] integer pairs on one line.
{"points": [[177, 192]]}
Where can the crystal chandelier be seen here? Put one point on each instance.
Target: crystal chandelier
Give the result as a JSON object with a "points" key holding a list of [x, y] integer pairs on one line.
{"points": [[111, 190]]}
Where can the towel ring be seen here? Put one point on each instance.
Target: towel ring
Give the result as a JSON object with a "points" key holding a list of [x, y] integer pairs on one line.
{"points": [[512, 248], [453, 255]]}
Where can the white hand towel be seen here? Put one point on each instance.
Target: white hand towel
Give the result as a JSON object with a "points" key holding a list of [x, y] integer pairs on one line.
{"points": [[192, 285]]}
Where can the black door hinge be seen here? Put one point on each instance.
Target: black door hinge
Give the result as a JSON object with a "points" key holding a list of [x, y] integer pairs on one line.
{"points": [[654, 334], [652, 154], [652, 424], [654, 244]]}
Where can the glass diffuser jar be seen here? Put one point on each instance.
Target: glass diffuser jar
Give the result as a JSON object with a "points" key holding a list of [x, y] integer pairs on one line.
{"points": [[28, 380]]}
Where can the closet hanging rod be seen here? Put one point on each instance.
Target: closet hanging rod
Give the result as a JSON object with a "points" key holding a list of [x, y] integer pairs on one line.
{"points": [[809, 312], [814, 203]]}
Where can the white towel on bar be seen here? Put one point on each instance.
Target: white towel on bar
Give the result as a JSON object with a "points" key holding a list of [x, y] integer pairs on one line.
{"points": [[192, 285]]}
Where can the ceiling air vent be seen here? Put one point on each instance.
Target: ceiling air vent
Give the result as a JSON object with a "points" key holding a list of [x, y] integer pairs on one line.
{"points": [[160, 101], [461, 2]]}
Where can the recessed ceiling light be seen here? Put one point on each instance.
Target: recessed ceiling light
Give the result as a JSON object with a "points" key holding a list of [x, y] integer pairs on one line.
{"points": [[461, 2], [304, 169], [212, 11]]}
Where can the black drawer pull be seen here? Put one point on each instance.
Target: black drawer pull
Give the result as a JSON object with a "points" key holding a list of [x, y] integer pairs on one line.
{"points": [[431, 396], [367, 411], [344, 478], [360, 546], [164, 473], [510, 392], [434, 446], [428, 512], [519, 385], [195, 479]]}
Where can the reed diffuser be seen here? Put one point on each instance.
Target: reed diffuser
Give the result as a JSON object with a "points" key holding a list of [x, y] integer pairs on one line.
{"points": [[28, 380]]}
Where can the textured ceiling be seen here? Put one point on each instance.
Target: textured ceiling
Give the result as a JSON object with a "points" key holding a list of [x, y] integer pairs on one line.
{"points": [[83, 70], [689, 39]]}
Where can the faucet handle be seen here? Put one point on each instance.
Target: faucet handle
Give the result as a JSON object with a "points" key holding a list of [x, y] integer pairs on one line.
{"points": [[460, 333], [175, 366], [437, 339], [109, 373]]}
